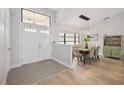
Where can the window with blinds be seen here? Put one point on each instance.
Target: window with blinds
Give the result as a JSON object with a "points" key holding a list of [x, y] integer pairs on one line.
{"points": [[69, 38]]}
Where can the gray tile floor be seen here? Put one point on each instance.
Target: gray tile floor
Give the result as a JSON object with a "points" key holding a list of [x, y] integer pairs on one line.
{"points": [[31, 73]]}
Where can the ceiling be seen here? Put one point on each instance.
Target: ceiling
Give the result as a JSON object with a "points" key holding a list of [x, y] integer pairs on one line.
{"points": [[70, 16]]}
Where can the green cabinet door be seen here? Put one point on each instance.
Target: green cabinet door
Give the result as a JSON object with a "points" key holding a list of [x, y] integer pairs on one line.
{"points": [[107, 51], [116, 52]]}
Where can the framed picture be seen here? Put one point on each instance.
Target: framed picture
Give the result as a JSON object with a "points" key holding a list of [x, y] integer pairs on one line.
{"points": [[93, 37]]}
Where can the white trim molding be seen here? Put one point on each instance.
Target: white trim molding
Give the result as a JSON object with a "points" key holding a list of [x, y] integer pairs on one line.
{"points": [[4, 79], [15, 66]]}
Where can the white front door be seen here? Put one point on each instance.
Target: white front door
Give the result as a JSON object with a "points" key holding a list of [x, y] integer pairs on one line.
{"points": [[35, 44], [44, 45]]}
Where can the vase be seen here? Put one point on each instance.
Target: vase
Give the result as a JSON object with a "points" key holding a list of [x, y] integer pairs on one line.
{"points": [[86, 46]]}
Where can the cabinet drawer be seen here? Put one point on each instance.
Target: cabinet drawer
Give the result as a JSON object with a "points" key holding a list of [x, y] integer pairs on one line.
{"points": [[107, 51], [116, 52]]}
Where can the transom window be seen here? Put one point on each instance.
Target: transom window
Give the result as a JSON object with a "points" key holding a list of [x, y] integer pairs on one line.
{"points": [[69, 38], [45, 31], [30, 30], [35, 18]]}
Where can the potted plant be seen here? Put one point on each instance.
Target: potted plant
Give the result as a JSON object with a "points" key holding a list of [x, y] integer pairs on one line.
{"points": [[86, 40]]}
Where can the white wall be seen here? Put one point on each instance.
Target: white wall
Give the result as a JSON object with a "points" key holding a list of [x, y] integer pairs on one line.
{"points": [[68, 19], [66, 24], [15, 16], [63, 28], [16, 32], [62, 54], [4, 44], [111, 26]]}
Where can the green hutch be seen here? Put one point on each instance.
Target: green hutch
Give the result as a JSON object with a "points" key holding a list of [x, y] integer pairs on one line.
{"points": [[112, 46]]}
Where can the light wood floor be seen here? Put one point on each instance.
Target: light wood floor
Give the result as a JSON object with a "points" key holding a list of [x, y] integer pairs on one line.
{"points": [[106, 71]]}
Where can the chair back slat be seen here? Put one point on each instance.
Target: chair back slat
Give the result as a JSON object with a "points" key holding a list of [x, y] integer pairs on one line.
{"points": [[92, 51], [97, 50]]}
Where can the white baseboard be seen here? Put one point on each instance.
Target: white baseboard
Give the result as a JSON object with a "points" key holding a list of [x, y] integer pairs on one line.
{"points": [[63, 63], [4, 79], [14, 66], [25, 63]]}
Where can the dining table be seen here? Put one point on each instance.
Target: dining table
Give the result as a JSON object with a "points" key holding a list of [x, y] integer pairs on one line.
{"points": [[84, 52]]}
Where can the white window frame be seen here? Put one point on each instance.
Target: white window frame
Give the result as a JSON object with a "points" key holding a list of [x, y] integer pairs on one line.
{"points": [[64, 41], [34, 22]]}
